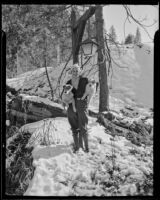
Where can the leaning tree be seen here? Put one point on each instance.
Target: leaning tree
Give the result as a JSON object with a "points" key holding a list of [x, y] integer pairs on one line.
{"points": [[78, 27]]}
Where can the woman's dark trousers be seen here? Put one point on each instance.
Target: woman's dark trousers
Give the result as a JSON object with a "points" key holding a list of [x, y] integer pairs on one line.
{"points": [[79, 122]]}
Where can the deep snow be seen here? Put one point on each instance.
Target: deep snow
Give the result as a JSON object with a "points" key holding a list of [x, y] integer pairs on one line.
{"points": [[58, 169]]}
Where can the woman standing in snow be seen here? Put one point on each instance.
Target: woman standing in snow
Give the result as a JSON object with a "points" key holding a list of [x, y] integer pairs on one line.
{"points": [[78, 120]]}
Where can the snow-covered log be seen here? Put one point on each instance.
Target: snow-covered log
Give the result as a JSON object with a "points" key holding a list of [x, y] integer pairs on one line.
{"points": [[136, 132], [33, 108]]}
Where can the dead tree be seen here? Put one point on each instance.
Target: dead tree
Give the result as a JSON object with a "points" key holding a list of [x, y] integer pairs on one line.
{"points": [[103, 77]]}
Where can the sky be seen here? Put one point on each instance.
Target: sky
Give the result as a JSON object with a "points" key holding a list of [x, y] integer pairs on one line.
{"points": [[115, 15]]}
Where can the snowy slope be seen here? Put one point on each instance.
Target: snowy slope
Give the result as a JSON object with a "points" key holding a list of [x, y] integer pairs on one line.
{"points": [[60, 173], [132, 80], [144, 84]]}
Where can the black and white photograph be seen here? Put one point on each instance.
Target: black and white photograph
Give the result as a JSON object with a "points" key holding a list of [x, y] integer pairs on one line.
{"points": [[79, 100]]}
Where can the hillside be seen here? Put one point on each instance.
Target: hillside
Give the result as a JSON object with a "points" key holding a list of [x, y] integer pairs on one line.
{"points": [[131, 81], [40, 161], [113, 167]]}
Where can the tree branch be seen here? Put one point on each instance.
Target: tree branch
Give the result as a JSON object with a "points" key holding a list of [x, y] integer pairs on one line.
{"points": [[85, 16], [137, 21], [45, 65], [86, 62], [129, 14], [59, 79]]}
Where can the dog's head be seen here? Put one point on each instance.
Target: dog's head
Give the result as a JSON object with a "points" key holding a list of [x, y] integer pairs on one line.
{"points": [[91, 82], [67, 88]]}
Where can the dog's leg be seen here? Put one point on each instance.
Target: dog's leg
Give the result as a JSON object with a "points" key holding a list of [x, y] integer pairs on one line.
{"points": [[84, 96], [89, 98], [64, 105]]}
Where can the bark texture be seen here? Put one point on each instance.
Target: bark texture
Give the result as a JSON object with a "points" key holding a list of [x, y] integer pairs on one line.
{"points": [[103, 78]]}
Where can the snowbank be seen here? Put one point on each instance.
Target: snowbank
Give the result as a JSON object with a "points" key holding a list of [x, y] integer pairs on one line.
{"points": [[60, 173]]}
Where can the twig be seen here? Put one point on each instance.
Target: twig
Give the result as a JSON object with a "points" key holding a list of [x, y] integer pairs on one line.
{"points": [[124, 26], [59, 79], [45, 65], [49, 80], [114, 42], [85, 62], [110, 62], [129, 14], [137, 21], [110, 57]]}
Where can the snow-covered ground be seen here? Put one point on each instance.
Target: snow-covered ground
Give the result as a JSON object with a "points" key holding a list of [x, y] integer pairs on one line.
{"points": [[59, 172]]}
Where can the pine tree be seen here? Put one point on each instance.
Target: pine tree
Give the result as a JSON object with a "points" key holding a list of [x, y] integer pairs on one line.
{"points": [[137, 37], [112, 34], [129, 39], [24, 25]]}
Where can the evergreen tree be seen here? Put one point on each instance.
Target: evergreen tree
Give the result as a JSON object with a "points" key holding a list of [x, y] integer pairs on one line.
{"points": [[112, 34], [24, 26], [129, 39], [137, 37]]}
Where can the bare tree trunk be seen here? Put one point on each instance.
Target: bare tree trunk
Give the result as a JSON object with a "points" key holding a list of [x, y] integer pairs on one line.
{"points": [[89, 31], [103, 78], [18, 65], [58, 52], [74, 31]]}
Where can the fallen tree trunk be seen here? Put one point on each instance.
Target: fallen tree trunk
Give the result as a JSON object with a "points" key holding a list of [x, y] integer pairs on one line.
{"points": [[23, 116], [140, 137], [131, 124], [25, 109], [138, 127]]}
